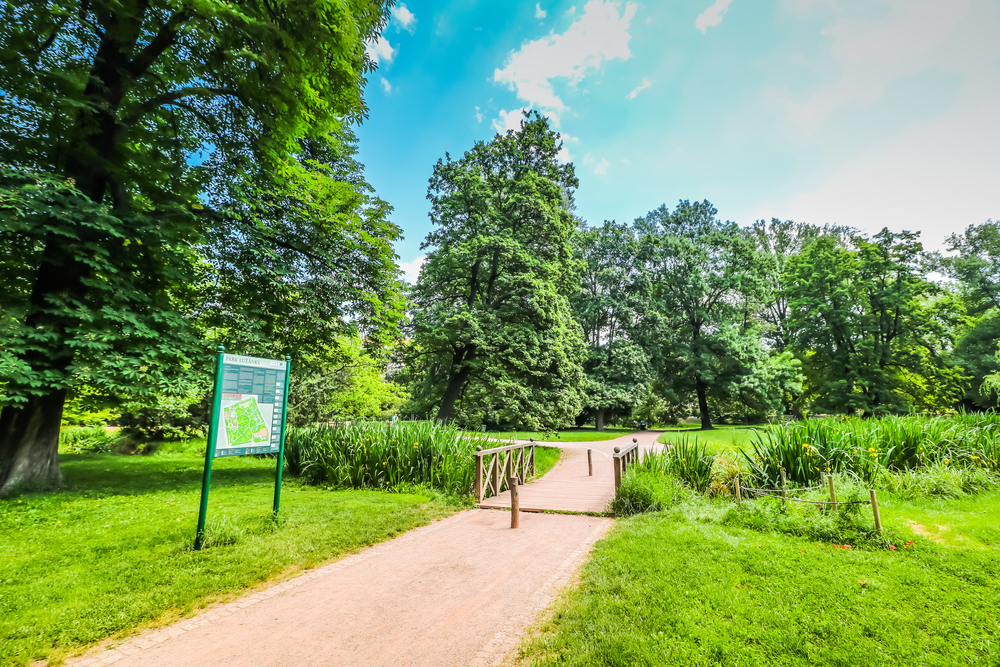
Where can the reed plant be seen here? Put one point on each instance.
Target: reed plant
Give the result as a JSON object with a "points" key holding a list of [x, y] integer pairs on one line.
{"points": [[385, 456], [868, 448], [686, 460], [78, 439]]}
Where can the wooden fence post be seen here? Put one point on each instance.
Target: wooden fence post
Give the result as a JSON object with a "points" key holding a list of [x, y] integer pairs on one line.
{"points": [[833, 494], [515, 502], [878, 520], [532, 464], [737, 487], [479, 474], [618, 470], [495, 473], [784, 494], [590, 462]]}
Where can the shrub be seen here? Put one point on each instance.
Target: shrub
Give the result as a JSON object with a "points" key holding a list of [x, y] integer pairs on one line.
{"points": [[378, 455], [643, 490], [80, 439]]}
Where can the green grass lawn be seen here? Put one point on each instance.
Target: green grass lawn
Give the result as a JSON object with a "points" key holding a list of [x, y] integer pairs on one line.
{"points": [[676, 588], [717, 441], [113, 551], [545, 459], [583, 434]]}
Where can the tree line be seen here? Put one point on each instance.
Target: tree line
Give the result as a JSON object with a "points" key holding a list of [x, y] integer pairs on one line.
{"points": [[526, 316], [176, 175]]}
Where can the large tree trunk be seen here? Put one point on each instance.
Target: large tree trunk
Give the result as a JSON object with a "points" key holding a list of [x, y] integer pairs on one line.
{"points": [[29, 442], [706, 418], [458, 375], [599, 420]]}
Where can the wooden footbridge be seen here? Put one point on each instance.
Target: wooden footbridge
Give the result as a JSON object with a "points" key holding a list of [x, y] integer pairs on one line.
{"points": [[579, 482]]}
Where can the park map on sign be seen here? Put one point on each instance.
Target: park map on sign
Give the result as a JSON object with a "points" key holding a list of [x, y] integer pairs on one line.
{"points": [[245, 425]]}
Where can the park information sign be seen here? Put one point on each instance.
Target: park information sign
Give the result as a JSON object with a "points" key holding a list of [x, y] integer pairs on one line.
{"points": [[248, 417], [253, 400]]}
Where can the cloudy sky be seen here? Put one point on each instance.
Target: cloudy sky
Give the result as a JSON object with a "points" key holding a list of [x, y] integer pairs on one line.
{"points": [[871, 113]]}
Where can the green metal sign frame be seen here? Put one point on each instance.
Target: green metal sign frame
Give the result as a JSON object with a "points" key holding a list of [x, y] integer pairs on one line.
{"points": [[249, 384]]}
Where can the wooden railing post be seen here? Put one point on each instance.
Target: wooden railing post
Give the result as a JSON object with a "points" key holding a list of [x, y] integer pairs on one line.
{"points": [[479, 474], [833, 494], [878, 520], [590, 462], [495, 473], [515, 502], [618, 470], [532, 466], [783, 492], [508, 468]]}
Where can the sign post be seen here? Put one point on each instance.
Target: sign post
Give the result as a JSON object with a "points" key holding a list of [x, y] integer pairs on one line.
{"points": [[249, 408], [281, 442]]}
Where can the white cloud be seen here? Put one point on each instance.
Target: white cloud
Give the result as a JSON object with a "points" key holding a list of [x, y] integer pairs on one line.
{"points": [[479, 115], [571, 11], [937, 177], [600, 35], [602, 167], [712, 16], [381, 50], [508, 120], [907, 37], [564, 155], [405, 18], [386, 86], [638, 89], [539, 12], [411, 269]]}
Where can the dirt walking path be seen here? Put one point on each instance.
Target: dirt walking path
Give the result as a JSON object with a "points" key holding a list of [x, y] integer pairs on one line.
{"points": [[459, 592], [568, 487]]}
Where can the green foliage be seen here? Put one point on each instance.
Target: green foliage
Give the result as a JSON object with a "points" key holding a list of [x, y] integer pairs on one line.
{"points": [[702, 276], [860, 326], [868, 448], [644, 490], [381, 456], [685, 460], [80, 439], [606, 306], [342, 383], [493, 337]]}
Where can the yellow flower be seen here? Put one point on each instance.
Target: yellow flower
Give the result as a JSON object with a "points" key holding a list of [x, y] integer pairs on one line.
{"points": [[871, 449], [946, 461]]}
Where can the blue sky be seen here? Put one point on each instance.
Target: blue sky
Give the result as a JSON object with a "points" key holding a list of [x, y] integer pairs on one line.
{"points": [[868, 113]]}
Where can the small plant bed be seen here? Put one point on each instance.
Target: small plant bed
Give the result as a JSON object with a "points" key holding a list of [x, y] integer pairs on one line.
{"points": [[113, 551]]}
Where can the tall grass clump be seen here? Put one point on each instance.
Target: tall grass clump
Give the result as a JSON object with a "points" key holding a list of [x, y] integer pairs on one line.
{"points": [[383, 456], [868, 448], [684, 460], [78, 439]]}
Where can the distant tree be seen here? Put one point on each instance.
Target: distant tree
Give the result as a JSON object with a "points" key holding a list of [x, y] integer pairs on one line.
{"points": [[977, 268], [491, 319], [860, 320], [617, 368], [103, 108], [776, 241], [701, 275]]}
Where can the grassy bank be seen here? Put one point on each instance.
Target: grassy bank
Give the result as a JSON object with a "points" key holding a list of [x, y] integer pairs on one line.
{"points": [[719, 440], [678, 588], [583, 434], [112, 552]]}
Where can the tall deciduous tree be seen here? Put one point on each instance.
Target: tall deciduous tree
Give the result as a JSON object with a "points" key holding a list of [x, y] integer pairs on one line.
{"points": [[703, 276], [113, 99], [491, 317], [606, 304], [860, 322]]}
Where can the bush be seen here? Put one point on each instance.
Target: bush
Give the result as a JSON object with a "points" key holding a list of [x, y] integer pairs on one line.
{"points": [[380, 456], [80, 439], [644, 491]]}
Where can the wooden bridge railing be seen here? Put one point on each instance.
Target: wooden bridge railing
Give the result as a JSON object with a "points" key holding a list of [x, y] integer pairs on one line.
{"points": [[495, 465], [623, 459]]}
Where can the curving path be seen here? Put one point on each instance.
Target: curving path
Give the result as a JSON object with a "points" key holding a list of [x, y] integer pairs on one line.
{"points": [[568, 487], [459, 592]]}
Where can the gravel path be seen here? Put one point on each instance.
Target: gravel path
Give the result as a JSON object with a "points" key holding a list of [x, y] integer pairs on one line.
{"points": [[459, 592]]}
